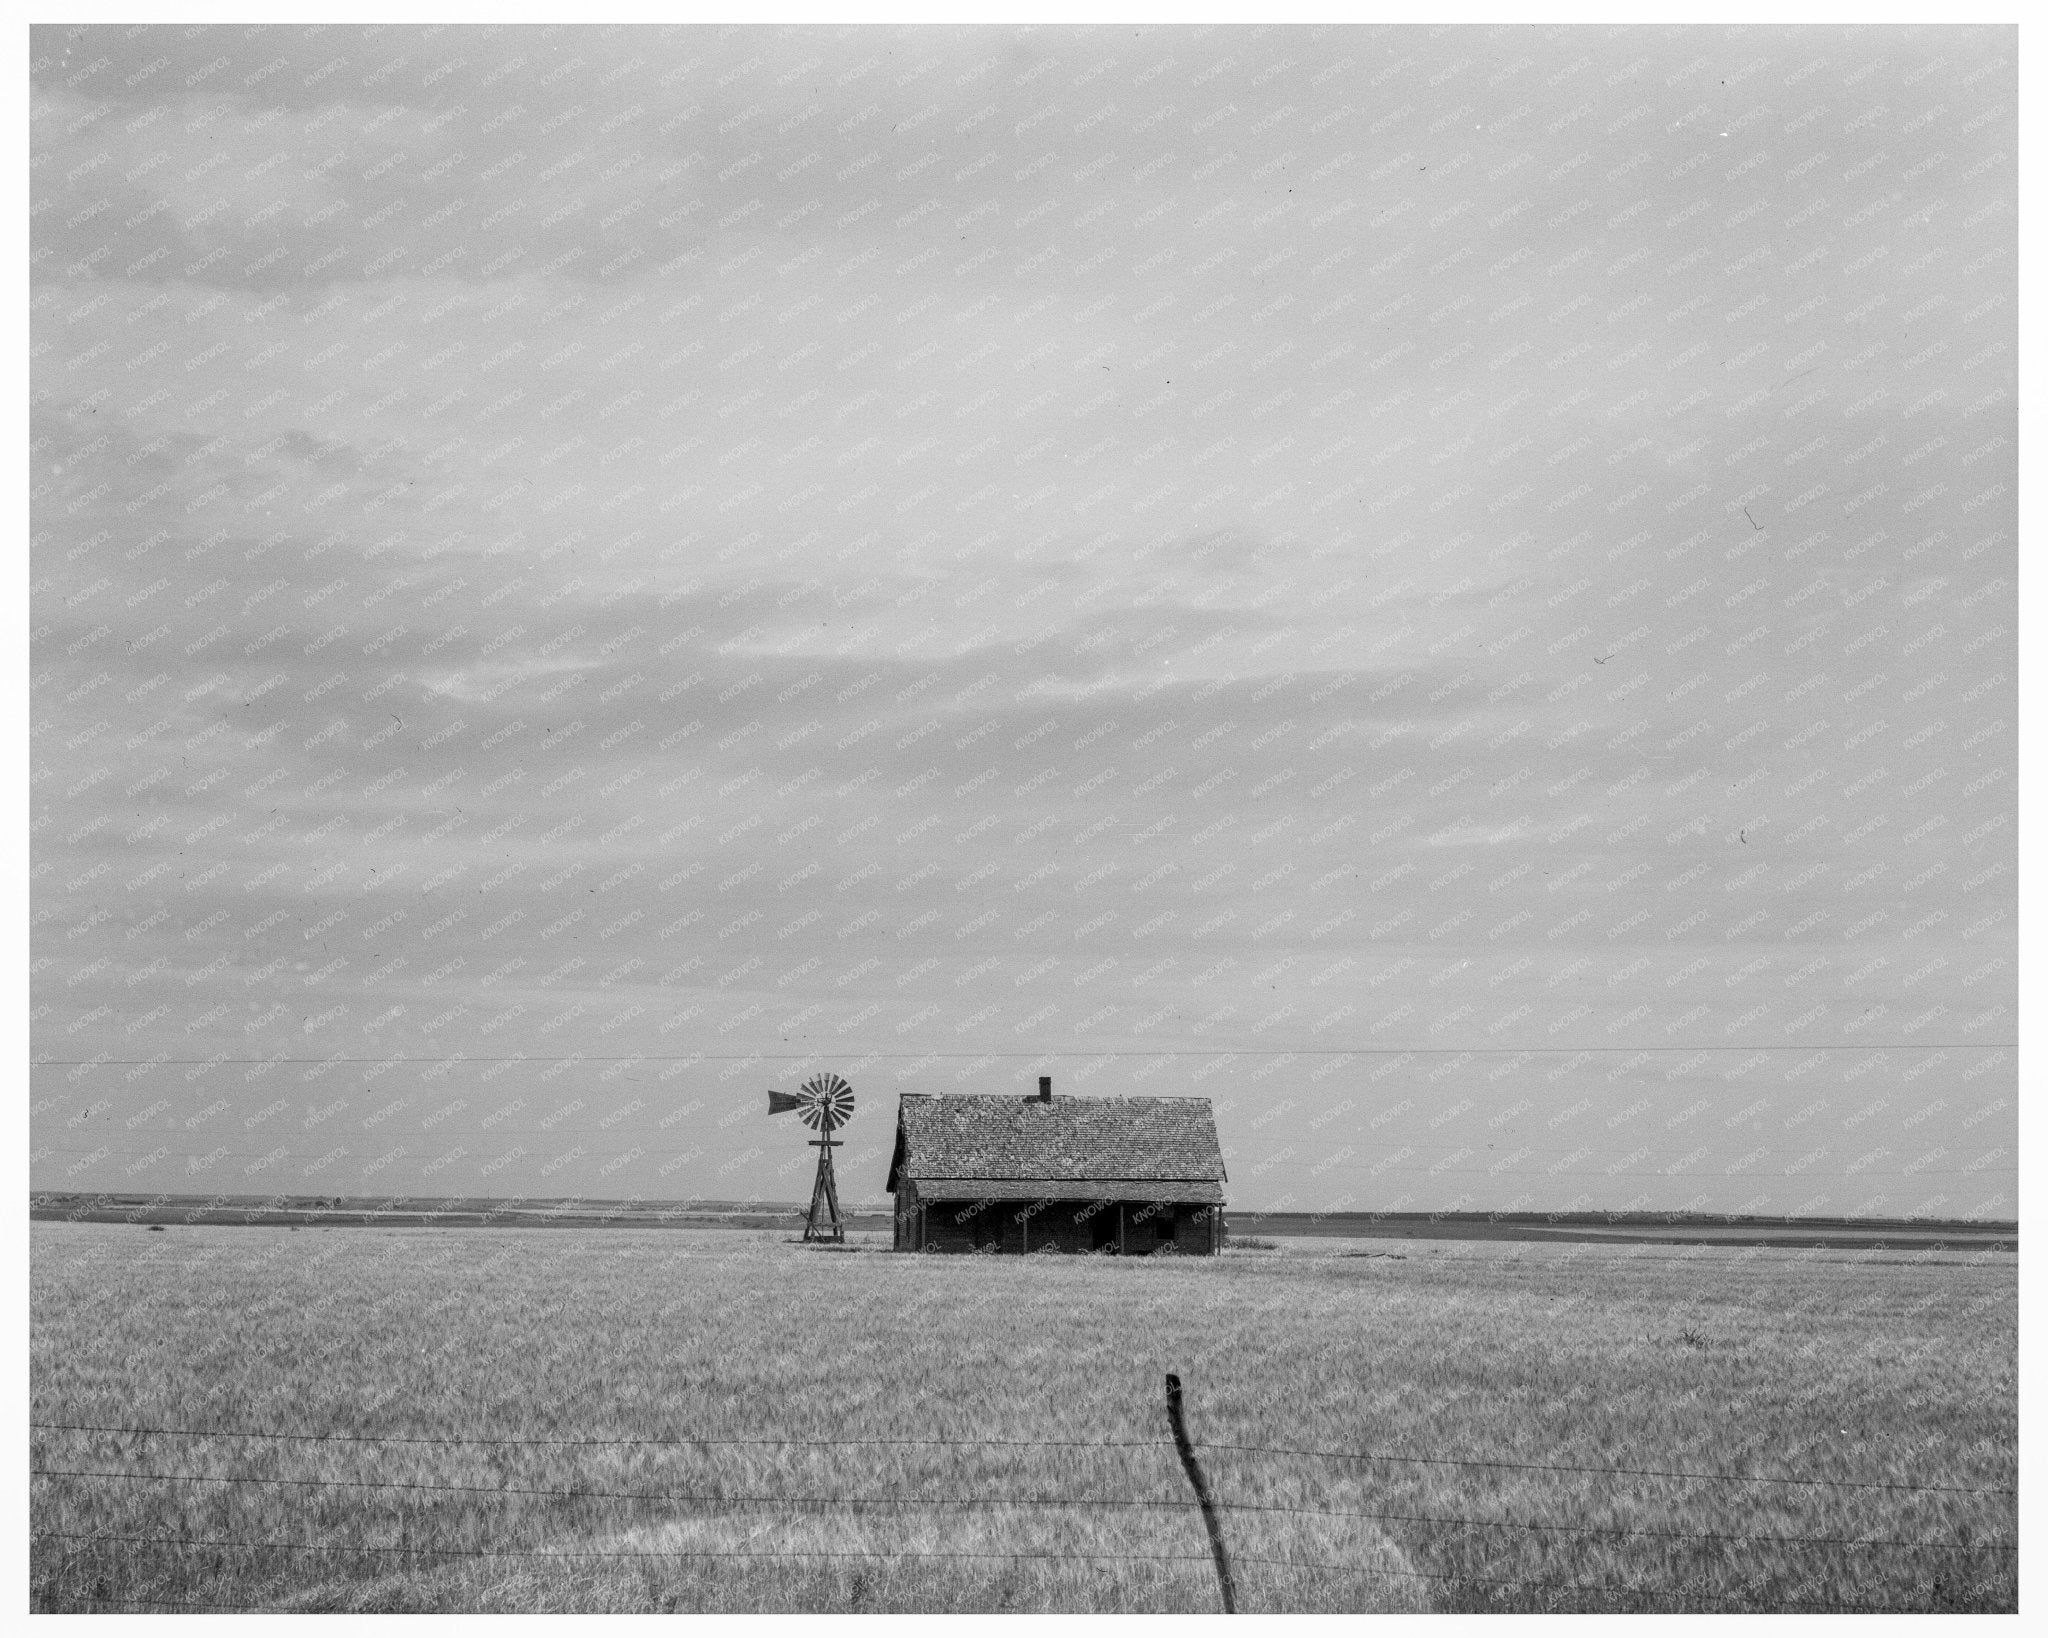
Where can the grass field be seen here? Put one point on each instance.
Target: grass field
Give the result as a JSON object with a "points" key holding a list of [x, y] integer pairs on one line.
{"points": [[764, 1398]]}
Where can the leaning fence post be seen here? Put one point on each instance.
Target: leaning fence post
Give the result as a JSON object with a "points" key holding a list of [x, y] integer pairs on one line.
{"points": [[1224, 1578]]}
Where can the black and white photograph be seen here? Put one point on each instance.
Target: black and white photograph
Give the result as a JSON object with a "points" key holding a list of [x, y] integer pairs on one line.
{"points": [[864, 816]]}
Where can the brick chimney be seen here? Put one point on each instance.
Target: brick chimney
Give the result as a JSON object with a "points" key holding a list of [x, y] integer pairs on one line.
{"points": [[1045, 1089]]}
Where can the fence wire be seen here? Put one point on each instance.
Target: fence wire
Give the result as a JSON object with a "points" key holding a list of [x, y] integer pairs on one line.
{"points": [[1638, 1593], [1177, 1503], [687, 1442]]}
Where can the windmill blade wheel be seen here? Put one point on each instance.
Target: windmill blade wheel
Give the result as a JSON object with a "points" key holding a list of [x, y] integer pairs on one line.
{"points": [[829, 1102]]}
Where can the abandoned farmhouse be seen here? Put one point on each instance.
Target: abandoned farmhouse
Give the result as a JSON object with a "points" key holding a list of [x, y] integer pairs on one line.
{"points": [[1122, 1176]]}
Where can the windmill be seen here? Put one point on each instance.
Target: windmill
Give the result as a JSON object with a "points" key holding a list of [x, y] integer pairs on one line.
{"points": [[826, 1103]]}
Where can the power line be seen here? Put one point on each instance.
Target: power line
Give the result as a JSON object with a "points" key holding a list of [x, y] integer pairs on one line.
{"points": [[1076, 1052], [1280, 1165]]}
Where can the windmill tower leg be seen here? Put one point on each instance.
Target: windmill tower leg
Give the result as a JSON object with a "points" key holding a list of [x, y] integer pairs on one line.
{"points": [[832, 1196], [817, 1196], [825, 1195]]}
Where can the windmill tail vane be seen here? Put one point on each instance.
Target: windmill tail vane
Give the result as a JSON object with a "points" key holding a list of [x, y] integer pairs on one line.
{"points": [[825, 1103]]}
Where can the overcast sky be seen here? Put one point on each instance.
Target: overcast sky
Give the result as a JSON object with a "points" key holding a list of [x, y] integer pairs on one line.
{"points": [[1451, 590]]}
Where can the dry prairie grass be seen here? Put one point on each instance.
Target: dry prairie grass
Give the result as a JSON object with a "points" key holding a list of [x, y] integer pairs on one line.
{"points": [[1062, 1491]]}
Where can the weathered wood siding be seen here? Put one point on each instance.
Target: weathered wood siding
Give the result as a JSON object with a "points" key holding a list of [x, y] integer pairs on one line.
{"points": [[1017, 1227]]}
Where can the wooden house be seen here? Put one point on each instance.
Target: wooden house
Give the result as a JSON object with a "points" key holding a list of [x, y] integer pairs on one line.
{"points": [[1126, 1176]]}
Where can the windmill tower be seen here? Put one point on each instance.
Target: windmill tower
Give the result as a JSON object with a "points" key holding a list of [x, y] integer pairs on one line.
{"points": [[825, 1103]]}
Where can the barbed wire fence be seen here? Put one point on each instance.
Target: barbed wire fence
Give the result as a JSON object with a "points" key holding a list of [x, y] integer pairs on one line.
{"points": [[1459, 1552]]}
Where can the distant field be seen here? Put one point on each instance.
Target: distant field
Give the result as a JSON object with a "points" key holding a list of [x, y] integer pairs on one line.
{"points": [[793, 1428], [1665, 1228], [306, 1211], [1620, 1228]]}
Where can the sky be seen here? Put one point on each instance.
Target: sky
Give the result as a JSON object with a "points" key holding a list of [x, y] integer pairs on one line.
{"points": [[1450, 590]]}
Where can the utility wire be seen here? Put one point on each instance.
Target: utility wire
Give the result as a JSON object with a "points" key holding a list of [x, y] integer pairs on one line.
{"points": [[1267, 1051]]}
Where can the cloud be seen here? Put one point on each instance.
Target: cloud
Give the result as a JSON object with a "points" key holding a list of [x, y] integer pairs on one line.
{"points": [[734, 542]]}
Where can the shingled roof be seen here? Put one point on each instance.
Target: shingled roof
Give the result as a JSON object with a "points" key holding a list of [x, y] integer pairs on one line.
{"points": [[1067, 1188], [951, 1140]]}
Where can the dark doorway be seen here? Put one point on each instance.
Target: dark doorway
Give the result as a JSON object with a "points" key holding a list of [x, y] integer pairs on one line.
{"points": [[1102, 1230]]}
